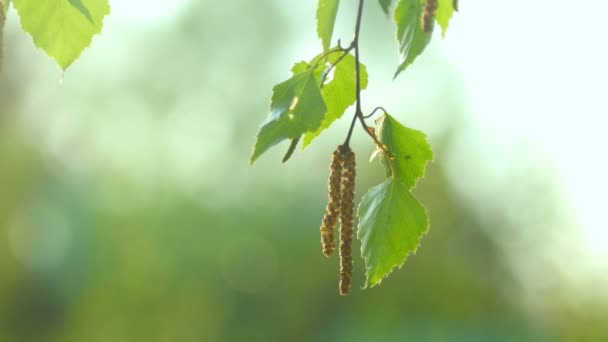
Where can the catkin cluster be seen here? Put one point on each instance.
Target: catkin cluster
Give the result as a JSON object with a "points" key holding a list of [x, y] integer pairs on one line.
{"points": [[346, 221], [341, 206], [428, 15], [332, 211]]}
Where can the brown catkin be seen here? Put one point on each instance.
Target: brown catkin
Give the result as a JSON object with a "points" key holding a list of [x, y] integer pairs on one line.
{"points": [[333, 207], [428, 15], [347, 205]]}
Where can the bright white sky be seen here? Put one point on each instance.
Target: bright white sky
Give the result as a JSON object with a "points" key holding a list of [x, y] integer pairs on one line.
{"points": [[536, 71]]}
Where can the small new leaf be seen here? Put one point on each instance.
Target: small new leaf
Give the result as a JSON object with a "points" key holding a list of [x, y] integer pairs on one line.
{"points": [[391, 220], [327, 11], [63, 29], [338, 93], [444, 14], [410, 34], [296, 107]]}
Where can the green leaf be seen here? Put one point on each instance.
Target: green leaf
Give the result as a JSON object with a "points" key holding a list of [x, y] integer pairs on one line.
{"points": [[63, 29], [412, 39], [327, 11], [291, 149], [296, 107], [391, 220], [444, 14], [391, 223], [82, 9], [386, 5], [409, 147], [339, 93]]}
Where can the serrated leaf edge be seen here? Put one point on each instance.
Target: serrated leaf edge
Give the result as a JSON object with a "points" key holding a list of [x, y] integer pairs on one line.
{"points": [[397, 266], [86, 46]]}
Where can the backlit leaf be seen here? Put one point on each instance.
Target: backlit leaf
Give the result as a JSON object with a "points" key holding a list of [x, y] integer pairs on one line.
{"points": [[409, 148], [296, 107], [444, 14], [391, 223], [410, 35], [339, 93], [62, 28], [391, 220], [327, 11]]}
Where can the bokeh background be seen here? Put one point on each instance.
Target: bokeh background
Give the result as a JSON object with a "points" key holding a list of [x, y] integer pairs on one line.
{"points": [[128, 210]]}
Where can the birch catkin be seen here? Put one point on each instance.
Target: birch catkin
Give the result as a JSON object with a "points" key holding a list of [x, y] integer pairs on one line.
{"points": [[333, 207], [428, 15], [346, 220]]}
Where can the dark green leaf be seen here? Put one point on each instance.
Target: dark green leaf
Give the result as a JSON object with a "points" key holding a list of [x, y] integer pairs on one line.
{"points": [[444, 14], [386, 5], [291, 149], [327, 11], [63, 29], [391, 220], [412, 39], [296, 107], [339, 93]]}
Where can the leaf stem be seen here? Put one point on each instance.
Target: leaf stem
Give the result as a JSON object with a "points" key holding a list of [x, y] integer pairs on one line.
{"points": [[374, 112], [333, 65], [355, 45]]}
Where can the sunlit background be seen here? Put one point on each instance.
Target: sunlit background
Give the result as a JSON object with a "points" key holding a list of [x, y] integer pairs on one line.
{"points": [[128, 210]]}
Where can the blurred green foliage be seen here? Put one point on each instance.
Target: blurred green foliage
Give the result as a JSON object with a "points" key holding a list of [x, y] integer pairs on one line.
{"points": [[104, 251]]}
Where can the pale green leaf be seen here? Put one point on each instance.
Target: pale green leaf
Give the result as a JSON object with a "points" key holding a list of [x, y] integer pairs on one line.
{"points": [[391, 224], [391, 220], [339, 93], [386, 5], [296, 107], [62, 28], [444, 14], [82, 9], [412, 39], [327, 11], [300, 67]]}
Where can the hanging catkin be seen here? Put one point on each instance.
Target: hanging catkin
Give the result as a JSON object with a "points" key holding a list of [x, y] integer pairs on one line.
{"points": [[428, 15], [346, 220], [333, 207]]}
